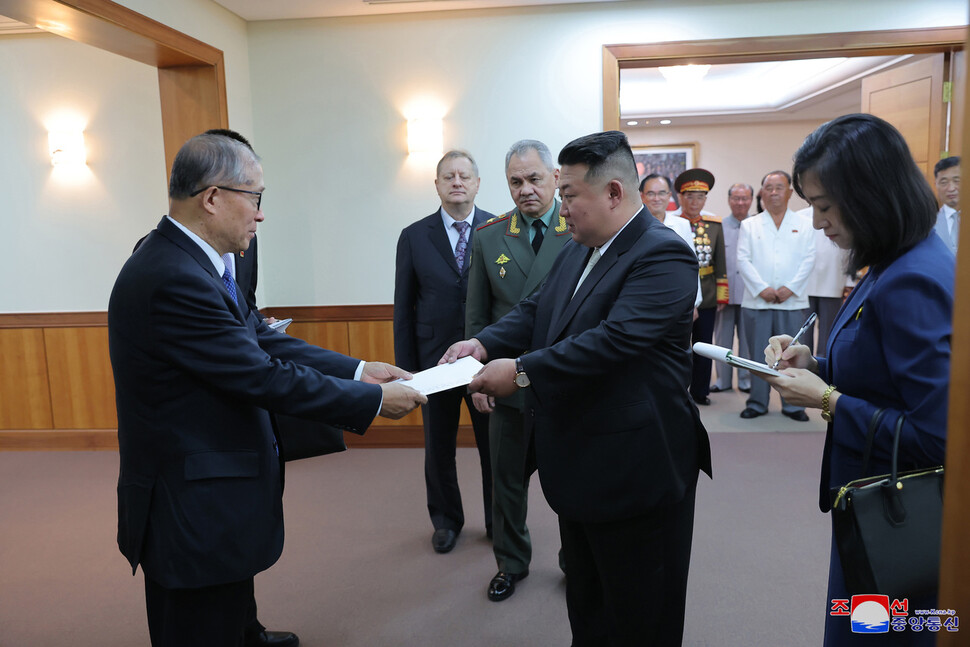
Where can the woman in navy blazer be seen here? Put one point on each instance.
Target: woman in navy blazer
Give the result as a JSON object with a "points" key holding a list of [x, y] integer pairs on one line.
{"points": [[890, 345]]}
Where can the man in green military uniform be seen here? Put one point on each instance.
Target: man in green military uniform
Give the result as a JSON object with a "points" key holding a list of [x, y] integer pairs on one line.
{"points": [[511, 256], [693, 186]]}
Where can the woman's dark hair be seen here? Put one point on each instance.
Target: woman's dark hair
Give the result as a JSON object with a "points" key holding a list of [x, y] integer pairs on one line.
{"points": [[867, 170]]}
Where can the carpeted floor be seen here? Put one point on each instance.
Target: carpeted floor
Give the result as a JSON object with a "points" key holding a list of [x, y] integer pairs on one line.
{"points": [[358, 569]]}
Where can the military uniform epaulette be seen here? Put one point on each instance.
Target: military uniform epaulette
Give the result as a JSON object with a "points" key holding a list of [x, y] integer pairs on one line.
{"points": [[492, 221], [706, 218]]}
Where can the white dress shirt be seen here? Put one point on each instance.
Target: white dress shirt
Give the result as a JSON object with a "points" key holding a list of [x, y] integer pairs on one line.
{"points": [[770, 256], [828, 278], [682, 227]]}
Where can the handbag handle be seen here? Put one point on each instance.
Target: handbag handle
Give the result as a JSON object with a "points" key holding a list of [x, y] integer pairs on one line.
{"points": [[899, 430], [870, 436]]}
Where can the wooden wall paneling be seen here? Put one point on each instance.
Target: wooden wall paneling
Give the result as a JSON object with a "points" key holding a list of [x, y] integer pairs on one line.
{"points": [[331, 335], [374, 341], [81, 383], [25, 401]]}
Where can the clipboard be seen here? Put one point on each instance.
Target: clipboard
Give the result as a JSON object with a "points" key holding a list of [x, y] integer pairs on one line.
{"points": [[727, 356]]}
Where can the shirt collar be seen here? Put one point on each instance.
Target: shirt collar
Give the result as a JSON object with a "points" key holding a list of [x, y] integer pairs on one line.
{"points": [[449, 221], [213, 255], [546, 218]]}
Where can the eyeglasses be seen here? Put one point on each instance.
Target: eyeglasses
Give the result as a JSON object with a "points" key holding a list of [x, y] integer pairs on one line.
{"points": [[656, 194], [258, 194]]}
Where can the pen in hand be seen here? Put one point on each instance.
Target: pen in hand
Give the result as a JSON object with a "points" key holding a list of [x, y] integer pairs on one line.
{"points": [[801, 331]]}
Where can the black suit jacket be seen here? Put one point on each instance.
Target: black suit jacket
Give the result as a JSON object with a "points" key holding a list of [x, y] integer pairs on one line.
{"points": [[196, 375], [616, 432], [429, 292]]}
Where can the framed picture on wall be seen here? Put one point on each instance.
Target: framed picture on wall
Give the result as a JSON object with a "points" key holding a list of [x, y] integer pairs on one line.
{"points": [[670, 159]]}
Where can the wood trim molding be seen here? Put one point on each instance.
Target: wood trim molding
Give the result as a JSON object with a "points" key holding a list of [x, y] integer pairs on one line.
{"points": [[53, 319], [306, 314], [302, 314], [770, 48], [113, 28]]}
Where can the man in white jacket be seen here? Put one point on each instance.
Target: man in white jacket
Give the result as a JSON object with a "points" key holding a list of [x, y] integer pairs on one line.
{"points": [[776, 253]]}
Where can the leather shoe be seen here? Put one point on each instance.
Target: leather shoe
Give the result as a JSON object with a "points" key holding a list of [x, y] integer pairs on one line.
{"points": [[744, 389], [273, 638], [443, 540], [751, 413], [502, 585], [702, 400], [800, 416], [716, 389]]}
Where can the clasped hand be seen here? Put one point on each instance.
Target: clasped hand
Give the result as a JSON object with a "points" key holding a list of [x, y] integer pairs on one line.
{"points": [[399, 399], [798, 382], [495, 380]]}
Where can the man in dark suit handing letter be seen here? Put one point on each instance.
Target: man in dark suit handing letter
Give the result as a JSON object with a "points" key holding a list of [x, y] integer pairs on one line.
{"points": [[430, 284], [600, 352], [197, 374]]}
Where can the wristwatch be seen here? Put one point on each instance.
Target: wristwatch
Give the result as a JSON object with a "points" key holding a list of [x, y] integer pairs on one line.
{"points": [[826, 414], [521, 379]]}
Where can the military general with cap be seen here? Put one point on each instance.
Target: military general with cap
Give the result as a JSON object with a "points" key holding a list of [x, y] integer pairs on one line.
{"points": [[693, 185]]}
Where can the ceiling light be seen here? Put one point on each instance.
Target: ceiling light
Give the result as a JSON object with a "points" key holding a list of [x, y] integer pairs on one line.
{"points": [[631, 123], [684, 73], [664, 122]]}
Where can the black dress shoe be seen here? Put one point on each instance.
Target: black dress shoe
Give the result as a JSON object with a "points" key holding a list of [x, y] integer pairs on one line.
{"points": [[443, 540], [274, 638], [502, 585], [800, 416], [716, 389], [702, 400], [751, 413], [746, 389]]}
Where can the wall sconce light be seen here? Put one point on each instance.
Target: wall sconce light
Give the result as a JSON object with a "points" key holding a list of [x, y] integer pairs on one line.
{"points": [[425, 135], [67, 147]]}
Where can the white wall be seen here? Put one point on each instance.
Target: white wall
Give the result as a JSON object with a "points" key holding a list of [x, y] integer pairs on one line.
{"points": [[324, 102], [735, 153], [330, 97], [65, 236]]}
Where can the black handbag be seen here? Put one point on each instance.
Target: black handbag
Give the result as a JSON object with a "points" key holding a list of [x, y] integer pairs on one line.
{"points": [[301, 438], [887, 528]]}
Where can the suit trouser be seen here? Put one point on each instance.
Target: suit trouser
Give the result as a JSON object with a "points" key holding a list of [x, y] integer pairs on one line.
{"points": [[627, 580], [759, 325], [727, 320], [513, 462], [827, 309], [441, 415], [212, 616], [703, 331]]}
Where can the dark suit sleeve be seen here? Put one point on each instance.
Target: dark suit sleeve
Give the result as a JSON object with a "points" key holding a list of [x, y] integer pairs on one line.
{"points": [[405, 298], [914, 317], [193, 331], [653, 303], [478, 302]]}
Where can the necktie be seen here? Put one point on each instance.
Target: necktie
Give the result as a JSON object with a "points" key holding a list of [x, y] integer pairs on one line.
{"points": [[595, 256], [955, 227], [227, 277], [462, 245], [537, 238]]}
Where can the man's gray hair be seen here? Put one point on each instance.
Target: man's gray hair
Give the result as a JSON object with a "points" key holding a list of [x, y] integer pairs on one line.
{"points": [[523, 146], [741, 185], [209, 160], [456, 154]]}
